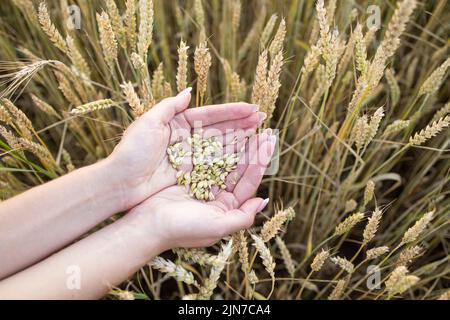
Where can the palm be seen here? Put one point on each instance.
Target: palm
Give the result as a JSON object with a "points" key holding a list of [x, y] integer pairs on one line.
{"points": [[183, 221], [142, 150]]}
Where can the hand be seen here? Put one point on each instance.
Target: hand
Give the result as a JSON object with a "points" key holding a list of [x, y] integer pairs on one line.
{"points": [[177, 220], [140, 159]]}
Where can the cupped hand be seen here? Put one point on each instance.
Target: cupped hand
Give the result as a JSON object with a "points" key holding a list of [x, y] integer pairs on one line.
{"points": [[140, 160], [178, 220]]}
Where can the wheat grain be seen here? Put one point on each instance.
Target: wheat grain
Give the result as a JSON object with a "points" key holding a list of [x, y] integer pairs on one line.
{"points": [[393, 85], [346, 225], [416, 230]]}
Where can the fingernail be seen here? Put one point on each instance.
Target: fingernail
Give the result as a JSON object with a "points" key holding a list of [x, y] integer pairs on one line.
{"points": [[185, 91], [273, 139], [268, 131], [255, 108], [263, 205], [262, 116]]}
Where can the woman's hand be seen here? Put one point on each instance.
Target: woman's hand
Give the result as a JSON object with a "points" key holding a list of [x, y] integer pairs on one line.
{"points": [[139, 161], [177, 220]]}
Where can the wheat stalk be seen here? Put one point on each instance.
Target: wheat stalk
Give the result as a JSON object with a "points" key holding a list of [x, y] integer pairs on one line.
{"points": [[408, 255], [286, 255], [132, 99], [434, 81], [202, 63], [319, 260], [173, 270], [338, 290], [268, 30], [265, 255], [116, 22], [93, 106], [343, 263], [44, 106], [372, 225], [145, 35], [211, 282], [430, 131], [273, 226], [49, 28], [130, 23], [376, 252], [182, 66], [346, 225], [107, 39]]}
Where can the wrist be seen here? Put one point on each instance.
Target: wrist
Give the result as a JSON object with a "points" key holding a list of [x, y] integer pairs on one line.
{"points": [[107, 185], [151, 235]]}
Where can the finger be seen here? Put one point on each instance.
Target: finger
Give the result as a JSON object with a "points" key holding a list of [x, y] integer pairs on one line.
{"points": [[165, 110], [251, 179], [208, 115], [223, 127], [246, 158], [242, 218]]}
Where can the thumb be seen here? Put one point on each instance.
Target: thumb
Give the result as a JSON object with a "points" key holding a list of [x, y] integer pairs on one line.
{"points": [[243, 218], [166, 109]]}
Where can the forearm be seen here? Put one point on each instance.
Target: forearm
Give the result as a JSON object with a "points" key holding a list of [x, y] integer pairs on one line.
{"points": [[46, 218], [102, 260]]}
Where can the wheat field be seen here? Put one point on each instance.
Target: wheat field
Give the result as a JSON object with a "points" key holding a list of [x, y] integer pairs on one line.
{"points": [[359, 94]]}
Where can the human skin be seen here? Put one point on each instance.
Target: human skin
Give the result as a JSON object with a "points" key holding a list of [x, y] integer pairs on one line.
{"points": [[135, 176]]}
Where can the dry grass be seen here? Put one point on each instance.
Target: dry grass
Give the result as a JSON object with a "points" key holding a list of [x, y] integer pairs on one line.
{"points": [[362, 111]]}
